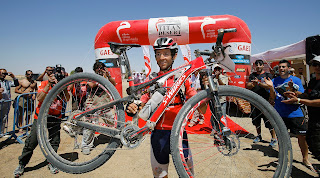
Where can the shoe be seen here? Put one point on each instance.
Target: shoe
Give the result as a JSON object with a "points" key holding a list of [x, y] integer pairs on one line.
{"points": [[53, 169], [257, 139], [311, 168], [19, 171], [273, 142], [86, 150]]}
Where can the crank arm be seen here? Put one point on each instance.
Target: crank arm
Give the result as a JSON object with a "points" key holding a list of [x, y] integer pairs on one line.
{"points": [[115, 133], [108, 105]]}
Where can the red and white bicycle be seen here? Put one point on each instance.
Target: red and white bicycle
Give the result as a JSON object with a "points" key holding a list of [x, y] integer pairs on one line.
{"points": [[221, 146]]}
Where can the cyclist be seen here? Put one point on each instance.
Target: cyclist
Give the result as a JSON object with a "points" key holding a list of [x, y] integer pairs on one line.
{"points": [[166, 50]]}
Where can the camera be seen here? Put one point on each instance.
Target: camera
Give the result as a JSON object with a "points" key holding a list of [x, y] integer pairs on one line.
{"points": [[59, 72]]}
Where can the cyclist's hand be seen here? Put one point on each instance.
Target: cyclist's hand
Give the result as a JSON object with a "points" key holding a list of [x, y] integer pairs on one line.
{"points": [[132, 108]]}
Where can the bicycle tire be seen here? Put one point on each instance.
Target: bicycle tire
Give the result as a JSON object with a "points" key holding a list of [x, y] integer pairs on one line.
{"points": [[215, 162], [68, 157]]}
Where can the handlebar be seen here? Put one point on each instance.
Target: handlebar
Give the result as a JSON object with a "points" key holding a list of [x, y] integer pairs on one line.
{"points": [[218, 48]]}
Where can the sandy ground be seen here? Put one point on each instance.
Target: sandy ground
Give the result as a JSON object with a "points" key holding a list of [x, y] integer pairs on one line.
{"points": [[128, 163]]}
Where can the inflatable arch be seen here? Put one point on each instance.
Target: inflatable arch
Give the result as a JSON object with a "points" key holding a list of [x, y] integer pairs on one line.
{"points": [[185, 30]]}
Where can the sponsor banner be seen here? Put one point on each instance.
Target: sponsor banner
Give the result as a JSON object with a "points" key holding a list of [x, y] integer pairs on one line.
{"points": [[186, 53], [241, 77], [104, 53], [147, 61], [173, 27], [239, 48], [240, 59], [125, 33]]}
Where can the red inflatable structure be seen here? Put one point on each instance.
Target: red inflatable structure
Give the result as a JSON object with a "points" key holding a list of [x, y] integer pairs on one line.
{"points": [[183, 29]]}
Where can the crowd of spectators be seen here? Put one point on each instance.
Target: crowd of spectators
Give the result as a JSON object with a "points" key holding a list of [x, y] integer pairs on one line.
{"points": [[289, 92], [288, 104]]}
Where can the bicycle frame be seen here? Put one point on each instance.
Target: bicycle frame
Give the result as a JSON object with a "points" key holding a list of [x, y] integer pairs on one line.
{"points": [[184, 71]]}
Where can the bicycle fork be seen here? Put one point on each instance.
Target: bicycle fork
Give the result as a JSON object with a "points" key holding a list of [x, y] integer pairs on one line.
{"points": [[216, 108]]}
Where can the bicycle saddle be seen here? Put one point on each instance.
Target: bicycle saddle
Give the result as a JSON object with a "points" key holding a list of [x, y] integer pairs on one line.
{"points": [[118, 48]]}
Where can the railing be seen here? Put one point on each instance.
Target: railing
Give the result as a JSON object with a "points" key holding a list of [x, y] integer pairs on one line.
{"points": [[24, 109]]}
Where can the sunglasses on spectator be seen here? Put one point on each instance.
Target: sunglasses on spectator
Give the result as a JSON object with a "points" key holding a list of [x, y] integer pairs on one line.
{"points": [[28, 74], [5, 73], [282, 66]]}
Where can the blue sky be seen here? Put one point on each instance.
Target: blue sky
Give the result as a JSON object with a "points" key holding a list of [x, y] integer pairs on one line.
{"points": [[35, 34]]}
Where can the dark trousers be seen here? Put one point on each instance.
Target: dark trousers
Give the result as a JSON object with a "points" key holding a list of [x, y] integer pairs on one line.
{"points": [[32, 141]]}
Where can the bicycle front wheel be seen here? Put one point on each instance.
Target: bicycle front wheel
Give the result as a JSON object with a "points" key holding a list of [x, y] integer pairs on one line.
{"points": [[214, 152], [65, 144]]}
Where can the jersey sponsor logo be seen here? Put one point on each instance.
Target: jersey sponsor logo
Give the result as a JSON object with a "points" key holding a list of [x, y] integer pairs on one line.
{"points": [[237, 76], [241, 82], [176, 85]]}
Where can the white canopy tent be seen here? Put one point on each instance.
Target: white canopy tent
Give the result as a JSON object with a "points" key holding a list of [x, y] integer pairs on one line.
{"points": [[295, 51], [289, 52]]}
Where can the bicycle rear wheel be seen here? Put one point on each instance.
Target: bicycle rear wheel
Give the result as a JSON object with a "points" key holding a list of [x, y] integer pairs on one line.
{"points": [[80, 150], [209, 154]]}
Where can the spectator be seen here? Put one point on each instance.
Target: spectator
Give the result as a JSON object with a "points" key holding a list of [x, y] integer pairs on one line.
{"points": [[256, 84], [5, 87], [311, 98], [292, 114], [292, 71], [165, 53], [98, 96], [195, 83], [54, 121], [45, 74], [275, 71], [26, 85], [302, 77], [78, 70]]}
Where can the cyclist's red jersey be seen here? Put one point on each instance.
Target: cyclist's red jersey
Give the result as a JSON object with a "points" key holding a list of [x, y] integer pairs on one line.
{"points": [[167, 119], [56, 106]]}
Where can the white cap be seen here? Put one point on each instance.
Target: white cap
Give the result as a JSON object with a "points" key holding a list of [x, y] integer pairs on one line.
{"points": [[317, 58], [215, 65]]}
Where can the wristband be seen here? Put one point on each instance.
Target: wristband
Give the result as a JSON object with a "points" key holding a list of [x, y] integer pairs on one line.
{"points": [[298, 102]]}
